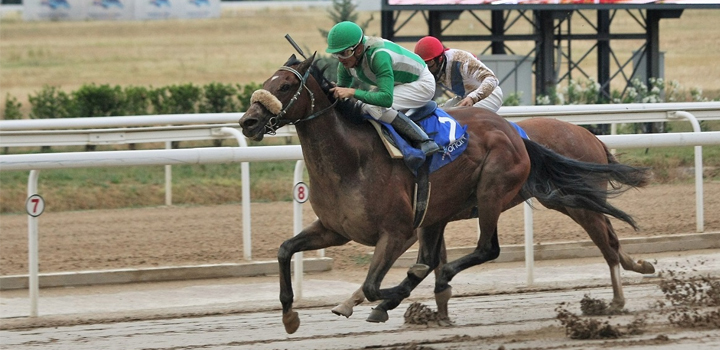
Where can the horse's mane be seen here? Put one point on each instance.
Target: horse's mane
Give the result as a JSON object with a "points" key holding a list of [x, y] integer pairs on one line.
{"points": [[348, 108]]}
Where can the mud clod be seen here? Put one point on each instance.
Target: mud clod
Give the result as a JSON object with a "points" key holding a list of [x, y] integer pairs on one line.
{"points": [[690, 301], [587, 328], [662, 337], [419, 314], [637, 326], [597, 307], [592, 307]]}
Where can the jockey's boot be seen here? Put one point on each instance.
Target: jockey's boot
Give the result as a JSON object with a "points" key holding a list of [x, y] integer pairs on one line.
{"points": [[414, 133]]}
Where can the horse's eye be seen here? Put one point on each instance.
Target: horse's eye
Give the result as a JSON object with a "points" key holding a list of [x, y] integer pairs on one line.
{"points": [[284, 87]]}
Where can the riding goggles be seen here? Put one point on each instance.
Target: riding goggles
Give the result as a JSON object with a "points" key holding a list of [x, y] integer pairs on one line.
{"points": [[347, 53]]}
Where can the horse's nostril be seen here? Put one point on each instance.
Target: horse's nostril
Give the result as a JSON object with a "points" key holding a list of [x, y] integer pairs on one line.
{"points": [[248, 123]]}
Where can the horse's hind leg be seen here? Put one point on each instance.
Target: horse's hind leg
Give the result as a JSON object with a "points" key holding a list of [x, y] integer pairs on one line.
{"points": [[495, 192], [442, 298], [601, 232], [627, 262], [346, 307], [488, 249], [430, 254]]}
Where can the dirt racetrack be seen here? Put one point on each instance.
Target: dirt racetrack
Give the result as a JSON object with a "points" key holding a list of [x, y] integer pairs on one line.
{"points": [[518, 321], [164, 236], [173, 236]]}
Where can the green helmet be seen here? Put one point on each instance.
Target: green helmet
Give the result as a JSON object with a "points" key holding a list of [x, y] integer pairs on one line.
{"points": [[342, 36]]}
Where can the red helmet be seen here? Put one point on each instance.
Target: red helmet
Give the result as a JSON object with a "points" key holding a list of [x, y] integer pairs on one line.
{"points": [[429, 47]]}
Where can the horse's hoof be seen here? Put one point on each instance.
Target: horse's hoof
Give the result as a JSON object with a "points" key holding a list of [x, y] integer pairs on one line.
{"points": [[616, 307], [377, 316], [291, 320], [342, 310], [419, 270], [646, 267], [445, 322]]}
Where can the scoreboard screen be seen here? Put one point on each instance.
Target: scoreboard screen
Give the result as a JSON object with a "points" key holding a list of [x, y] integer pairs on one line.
{"points": [[549, 4]]}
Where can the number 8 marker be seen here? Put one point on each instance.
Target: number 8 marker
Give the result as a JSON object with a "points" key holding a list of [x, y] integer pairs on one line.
{"points": [[301, 192]]}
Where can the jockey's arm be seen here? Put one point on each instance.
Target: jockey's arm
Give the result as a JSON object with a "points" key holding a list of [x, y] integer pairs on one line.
{"points": [[479, 75], [475, 73], [381, 66]]}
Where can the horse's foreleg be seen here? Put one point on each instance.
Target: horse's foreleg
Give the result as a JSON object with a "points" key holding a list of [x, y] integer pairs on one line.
{"points": [[313, 237]]}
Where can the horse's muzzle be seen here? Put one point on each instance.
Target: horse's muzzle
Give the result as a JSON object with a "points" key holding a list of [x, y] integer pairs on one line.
{"points": [[251, 122]]}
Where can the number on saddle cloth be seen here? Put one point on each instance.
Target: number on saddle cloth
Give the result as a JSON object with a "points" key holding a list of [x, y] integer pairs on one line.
{"points": [[441, 127]]}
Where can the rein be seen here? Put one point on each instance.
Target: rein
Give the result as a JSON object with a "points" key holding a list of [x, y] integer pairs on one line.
{"points": [[278, 121]]}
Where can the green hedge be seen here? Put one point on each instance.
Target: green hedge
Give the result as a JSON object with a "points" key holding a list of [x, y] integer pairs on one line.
{"points": [[93, 100]]}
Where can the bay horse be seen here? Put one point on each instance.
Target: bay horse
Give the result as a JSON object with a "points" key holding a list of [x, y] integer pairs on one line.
{"points": [[361, 194], [574, 142]]}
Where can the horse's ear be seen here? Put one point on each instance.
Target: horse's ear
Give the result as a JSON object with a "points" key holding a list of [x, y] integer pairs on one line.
{"points": [[292, 58], [307, 63]]}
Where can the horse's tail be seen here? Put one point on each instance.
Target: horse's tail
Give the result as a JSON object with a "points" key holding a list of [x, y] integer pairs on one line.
{"points": [[636, 177], [561, 181]]}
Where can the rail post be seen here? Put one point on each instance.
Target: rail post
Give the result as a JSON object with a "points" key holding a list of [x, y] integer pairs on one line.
{"points": [[33, 279], [245, 190], [699, 206]]}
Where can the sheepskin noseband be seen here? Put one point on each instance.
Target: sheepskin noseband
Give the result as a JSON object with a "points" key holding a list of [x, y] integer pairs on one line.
{"points": [[268, 100]]}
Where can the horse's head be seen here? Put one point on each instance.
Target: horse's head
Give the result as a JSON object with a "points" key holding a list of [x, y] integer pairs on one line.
{"points": [[286, 98]]}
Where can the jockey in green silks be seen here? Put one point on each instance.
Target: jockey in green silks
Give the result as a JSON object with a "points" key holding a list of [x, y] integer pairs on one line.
{"points": [[401, 79]]}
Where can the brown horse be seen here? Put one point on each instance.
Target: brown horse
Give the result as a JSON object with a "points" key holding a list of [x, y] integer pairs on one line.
{"points": [[577, 143], [361, 194]]}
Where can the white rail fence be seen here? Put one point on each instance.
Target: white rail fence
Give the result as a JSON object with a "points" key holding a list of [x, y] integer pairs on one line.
{"points": [[119, 130]]}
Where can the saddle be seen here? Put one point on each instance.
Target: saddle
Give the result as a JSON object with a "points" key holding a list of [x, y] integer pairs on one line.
{"points": [[442, 128], [416, 115]]}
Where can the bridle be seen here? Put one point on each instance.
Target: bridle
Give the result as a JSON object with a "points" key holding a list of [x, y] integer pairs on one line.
{"points": [[277, 121]]}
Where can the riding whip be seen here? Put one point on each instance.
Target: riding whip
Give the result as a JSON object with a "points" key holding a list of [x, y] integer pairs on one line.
{"points": [[295, 45]]}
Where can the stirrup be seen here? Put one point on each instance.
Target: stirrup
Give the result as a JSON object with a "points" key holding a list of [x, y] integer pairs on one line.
{"points": [[429, 147]]}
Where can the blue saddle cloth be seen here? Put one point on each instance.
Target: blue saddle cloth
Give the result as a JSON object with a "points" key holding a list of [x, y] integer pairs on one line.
{"points": [[520, 130], [447, 133], [441, 127]]}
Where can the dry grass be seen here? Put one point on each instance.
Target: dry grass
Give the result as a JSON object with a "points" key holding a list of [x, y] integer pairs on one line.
{"points": [[242, 48], [247, 45]]}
